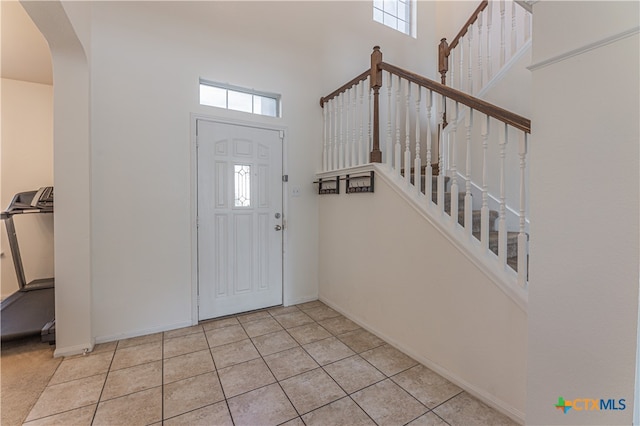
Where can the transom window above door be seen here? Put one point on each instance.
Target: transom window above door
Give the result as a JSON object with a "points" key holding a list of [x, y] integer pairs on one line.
{"points": [[239, 99]]}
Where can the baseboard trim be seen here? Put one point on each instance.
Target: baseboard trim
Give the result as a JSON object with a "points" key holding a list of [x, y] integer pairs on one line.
{"points": [[297, 301], [142, 332], [501, 406], [73, 350]]}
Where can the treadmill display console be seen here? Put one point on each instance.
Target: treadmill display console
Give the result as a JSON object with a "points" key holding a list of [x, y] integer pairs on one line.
{"points": [[40, 201]]}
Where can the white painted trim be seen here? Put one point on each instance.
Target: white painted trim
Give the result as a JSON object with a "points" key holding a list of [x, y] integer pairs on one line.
{"points": [[513, 216], [290, 302], [194, 200], [585, 48], [526, 5], [193, 191], [636, 396], [487, 262], [143, 332], [503, 71], [363, 168], [286, 275], [506, 409], [74, 350]]}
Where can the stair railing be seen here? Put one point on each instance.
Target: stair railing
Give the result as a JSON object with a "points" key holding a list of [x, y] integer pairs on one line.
{"points": [[411, 150], [479, 50]]}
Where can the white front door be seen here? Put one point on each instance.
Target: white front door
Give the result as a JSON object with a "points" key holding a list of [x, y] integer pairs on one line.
{"points": [[239, 218]]}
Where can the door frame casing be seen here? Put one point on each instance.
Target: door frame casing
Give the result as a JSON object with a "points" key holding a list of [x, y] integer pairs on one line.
{"points": [[194, 199]]}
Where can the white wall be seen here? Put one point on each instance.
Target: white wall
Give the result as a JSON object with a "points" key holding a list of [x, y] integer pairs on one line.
{"points": [[584, 212], [72, 176], [145, 60], [27, 164], [411, 286], [452, 15]]}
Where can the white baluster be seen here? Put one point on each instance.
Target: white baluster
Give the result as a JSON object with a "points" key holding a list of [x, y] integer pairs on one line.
{"points": [[335, 102], [502, 33], [428, 169], [502, 221], [527, 26], [389, 147], [452, 69], [417, 165], [461, 63], [343, 130], [489, 35], [468, 207], [484, 212], [514, 31], [324, 137], [347, 132], [407, 138], [480, 68], [522, 236], [470, 64], [440, 181], [362, 117], [354, 145], [396, 154], [452, 161]]}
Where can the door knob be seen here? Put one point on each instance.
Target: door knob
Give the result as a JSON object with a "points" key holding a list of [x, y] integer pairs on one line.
{"points": [[278, 228]]}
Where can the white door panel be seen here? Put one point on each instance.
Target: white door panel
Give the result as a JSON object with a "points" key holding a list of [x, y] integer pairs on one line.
{"points": [[239, 208]]}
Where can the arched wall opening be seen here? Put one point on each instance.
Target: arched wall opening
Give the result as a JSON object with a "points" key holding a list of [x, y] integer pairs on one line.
{"points": [[71, 170]]}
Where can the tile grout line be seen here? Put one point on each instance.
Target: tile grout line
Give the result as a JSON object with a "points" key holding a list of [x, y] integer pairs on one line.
{"points": [[274, 376], [162, 381], [48, 386], [104, 385], [271, 316], [449, 399], [224, 395], [322, 367], [40, 394]]}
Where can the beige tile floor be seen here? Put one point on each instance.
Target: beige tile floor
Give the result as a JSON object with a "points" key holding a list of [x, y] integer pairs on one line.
{"points": [[299, 365]]}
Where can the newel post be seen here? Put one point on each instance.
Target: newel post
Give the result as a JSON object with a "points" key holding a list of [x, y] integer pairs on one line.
{"points": [[376, 84], [443, 60], [443, 67]]}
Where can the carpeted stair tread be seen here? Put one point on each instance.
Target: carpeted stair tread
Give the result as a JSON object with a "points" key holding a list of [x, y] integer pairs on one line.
{"points": [[512, 237], [512, 242], [476, 218], [434, 182]]}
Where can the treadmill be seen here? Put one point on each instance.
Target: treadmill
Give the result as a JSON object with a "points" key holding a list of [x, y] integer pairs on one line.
{"points": [[30, 310]]}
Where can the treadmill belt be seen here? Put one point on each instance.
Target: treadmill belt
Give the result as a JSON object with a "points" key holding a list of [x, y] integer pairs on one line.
{"points": [[24, 313]]}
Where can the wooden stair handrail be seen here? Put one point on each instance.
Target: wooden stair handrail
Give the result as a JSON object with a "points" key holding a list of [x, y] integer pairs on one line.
{"points": [[375, 83], [345, 87], [501, 114], [444, 49], [472, 20]]}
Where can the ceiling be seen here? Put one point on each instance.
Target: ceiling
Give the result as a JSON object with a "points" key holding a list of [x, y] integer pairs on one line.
{"points": [[25, 52]]}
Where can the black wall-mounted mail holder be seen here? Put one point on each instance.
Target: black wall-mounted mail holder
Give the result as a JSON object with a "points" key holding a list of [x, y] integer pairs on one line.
{"points": [[360, 183], [328, 186]]}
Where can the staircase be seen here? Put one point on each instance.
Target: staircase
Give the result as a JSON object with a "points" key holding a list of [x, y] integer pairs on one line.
{"points": [[441, 146], [512, 237]]}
